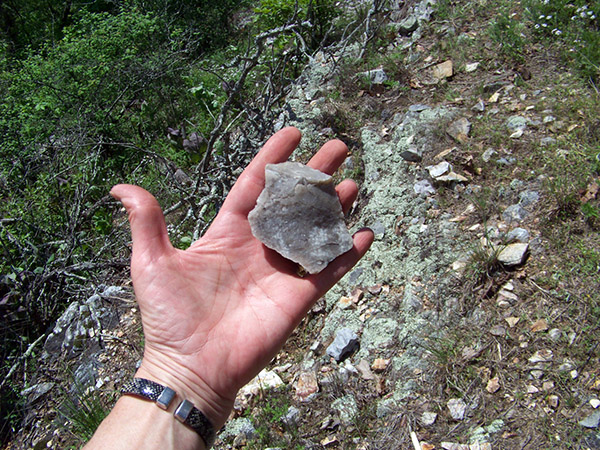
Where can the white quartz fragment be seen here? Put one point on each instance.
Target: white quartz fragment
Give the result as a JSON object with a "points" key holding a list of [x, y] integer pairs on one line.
{"points": [[299, 215]]}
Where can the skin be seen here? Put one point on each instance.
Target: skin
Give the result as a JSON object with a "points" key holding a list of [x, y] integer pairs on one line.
{"points": [[215, 314]]}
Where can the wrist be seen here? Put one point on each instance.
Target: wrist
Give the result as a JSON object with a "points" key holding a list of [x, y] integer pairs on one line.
{"points": [[187, 386]]}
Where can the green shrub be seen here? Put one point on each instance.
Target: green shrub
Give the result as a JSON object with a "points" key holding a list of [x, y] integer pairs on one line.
{"points": [[575, 24]]}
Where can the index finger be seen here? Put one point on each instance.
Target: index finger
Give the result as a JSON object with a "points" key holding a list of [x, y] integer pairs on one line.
{"points": [[279, 147]]}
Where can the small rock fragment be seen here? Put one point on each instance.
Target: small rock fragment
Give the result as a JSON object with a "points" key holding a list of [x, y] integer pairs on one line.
{"points": [[380, 364], [439, 169], [329, 441], [478, 107], [555, 334], [514, 214], [306, 386], [457, 408], [443, 70], [375, 76], [428, 418], [471, 67], [345, 342], [512, 321], [553, 401], [591, 421], [424, 187], [513, 254], [412, 154], [518, 234], [365, 370], [493, 385], [595, 403], [544, 355], [459, 129], [539, 325], [299, 215], [531, 389], [498, 330]]}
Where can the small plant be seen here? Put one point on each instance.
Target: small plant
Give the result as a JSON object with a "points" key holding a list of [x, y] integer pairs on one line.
{"points": [[573, 23], [591, 214], [444, 350], [85, 411], [486, 204], [483, 262], [507, 31]]}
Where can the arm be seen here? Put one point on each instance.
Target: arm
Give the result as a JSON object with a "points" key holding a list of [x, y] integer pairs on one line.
{"points": [[215, 314]]}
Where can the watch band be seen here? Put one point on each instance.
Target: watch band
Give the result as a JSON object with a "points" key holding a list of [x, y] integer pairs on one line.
{"points": [[186, 412], [162, 395]]}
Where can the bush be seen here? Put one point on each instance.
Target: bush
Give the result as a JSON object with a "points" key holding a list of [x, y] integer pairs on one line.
{"points": [[575, 24]]}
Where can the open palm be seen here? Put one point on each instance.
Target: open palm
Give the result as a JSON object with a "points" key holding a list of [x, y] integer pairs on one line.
{"points": [[217, 313]]}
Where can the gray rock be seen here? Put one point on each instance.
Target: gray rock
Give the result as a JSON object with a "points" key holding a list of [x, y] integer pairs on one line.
{"points": [[457, 408], [291, 417], [518, 234], [527, 198], [346, 408], [412, 154], [36, 391], [194, 142], [439, 169], [86, 374], [513, 254], [299, 215], [514, 213], [345, 342], [375, 76], [424, 187], [555, 334], [459, 129], [478, 107], [545, 142], [418, 107], [488, 154], [428, 418], [237, 427], [515, 123], [591, 421], [408, 25], [378, 229]]}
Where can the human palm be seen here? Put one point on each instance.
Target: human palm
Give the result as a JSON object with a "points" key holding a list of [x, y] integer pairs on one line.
{"points": [[217, 313]]}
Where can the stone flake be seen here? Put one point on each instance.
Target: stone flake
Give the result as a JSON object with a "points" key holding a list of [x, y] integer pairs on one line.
{"points": [[299, 215]]}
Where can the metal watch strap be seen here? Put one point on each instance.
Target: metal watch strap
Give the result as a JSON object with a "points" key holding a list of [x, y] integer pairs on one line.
{"points": [[186, 412]]}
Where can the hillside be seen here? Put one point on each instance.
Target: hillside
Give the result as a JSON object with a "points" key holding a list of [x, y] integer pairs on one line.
{"points": [[473, 135]]}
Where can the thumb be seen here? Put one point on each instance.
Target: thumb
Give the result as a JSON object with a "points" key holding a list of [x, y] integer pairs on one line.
{"points": [[148, 228]]}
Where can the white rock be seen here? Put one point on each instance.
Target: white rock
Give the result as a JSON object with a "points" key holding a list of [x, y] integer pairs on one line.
{"points": [[544, 355], [513, 254], [428, 418], [439, 169], [471, 67], [457, 408]]}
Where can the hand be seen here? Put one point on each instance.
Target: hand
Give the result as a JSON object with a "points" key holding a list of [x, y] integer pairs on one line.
{"points": [[215, 314]]}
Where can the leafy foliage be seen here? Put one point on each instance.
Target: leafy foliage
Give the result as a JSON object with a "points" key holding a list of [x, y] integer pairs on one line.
{"points": [[575, 25]]}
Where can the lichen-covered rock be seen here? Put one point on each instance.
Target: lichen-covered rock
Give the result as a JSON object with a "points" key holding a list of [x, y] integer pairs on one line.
{"points": [[299, 215]]}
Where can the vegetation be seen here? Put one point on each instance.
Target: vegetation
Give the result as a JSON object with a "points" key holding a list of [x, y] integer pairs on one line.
{"points": [[98, 93]]}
